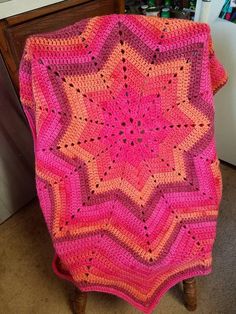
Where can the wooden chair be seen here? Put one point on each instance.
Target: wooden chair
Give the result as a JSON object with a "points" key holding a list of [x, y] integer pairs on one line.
{"points": [[79, 299]]}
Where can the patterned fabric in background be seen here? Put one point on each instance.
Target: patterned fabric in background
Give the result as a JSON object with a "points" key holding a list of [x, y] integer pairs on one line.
{"points": [[121, 111], [228, 11]]}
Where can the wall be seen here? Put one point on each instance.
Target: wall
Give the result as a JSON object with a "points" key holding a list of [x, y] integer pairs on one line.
{"points": [[224, 34]]}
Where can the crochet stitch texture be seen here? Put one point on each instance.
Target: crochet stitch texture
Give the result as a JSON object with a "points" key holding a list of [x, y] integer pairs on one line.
{"points": [[122, 115]]}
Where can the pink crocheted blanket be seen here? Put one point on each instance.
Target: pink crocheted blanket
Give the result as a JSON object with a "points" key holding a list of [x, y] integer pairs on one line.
{"points": [[121, 111]]}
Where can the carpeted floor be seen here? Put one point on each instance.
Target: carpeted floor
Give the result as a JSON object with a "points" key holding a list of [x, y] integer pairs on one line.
{"points": [[29, 286]]}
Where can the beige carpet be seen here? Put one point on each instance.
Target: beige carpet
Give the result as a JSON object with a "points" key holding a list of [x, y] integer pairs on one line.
{"points": [[28, 285]]}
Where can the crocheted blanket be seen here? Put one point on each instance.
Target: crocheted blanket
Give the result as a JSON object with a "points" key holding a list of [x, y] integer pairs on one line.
{"points": [[122, 115]]}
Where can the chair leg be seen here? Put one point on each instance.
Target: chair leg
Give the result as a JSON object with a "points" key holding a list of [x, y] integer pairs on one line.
{"points": [[79, 302], [190, 294]]}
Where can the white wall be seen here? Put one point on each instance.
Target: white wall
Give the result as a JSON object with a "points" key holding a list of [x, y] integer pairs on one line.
{"points": [[224, 35], [224, 38]]}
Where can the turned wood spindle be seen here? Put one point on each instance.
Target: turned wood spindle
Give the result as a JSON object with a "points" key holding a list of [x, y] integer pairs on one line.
{"points": [[79, 302], [190, 294]]}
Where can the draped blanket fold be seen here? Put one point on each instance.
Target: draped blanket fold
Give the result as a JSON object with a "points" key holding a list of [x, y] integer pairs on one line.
{"points": [[122, 115]]}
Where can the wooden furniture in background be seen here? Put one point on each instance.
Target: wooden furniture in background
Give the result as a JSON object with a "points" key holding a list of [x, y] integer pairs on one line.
{"points": [[14, 30]]}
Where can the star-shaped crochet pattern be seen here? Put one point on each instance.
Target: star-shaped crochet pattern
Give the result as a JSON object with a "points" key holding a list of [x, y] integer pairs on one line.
{"points": [[127, 173]]}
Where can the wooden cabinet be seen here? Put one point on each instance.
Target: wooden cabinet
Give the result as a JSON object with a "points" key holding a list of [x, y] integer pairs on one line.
{"points": [[16, 156], [14, 30]]}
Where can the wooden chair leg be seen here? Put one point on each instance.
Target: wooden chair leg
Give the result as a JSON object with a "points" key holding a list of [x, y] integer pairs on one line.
{"points": [[190, 294], [79, 302]]}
